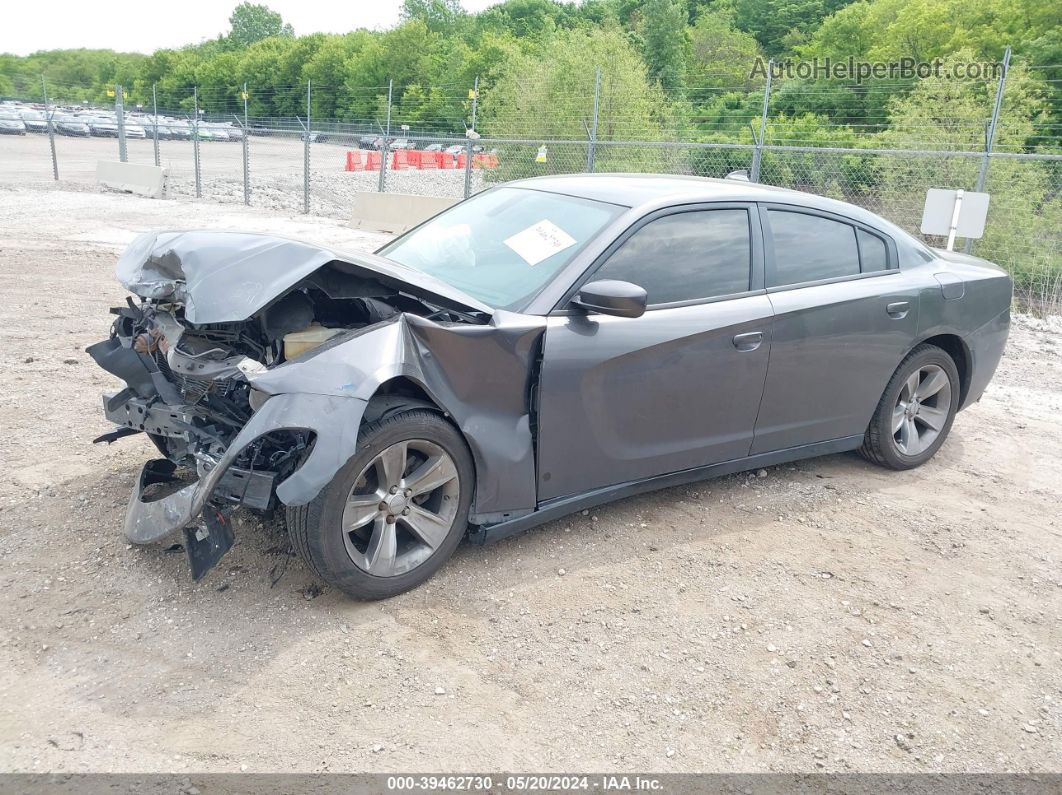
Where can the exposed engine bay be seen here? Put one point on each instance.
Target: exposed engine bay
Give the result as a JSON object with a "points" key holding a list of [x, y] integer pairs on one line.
{"points": [[216, 338], [194, 395]]}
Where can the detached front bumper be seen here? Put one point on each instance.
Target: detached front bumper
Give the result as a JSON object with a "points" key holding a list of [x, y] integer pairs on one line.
{"points": [[333, 420]]}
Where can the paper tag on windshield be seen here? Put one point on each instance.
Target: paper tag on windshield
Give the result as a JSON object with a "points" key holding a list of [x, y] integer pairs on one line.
{"points": [[540, 242]]}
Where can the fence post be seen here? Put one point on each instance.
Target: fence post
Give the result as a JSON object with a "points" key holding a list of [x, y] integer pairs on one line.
{"points": [[155, 123], [468, 168], [387, 131], [306, 156], [246, 152], [757, 154], [195, 144], [51, 130], [385, 150], [990, 136], [591, 152], [119, 115], [475, 100]]}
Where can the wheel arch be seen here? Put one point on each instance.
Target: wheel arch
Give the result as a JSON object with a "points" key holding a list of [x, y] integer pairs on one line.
{"points": [[404, 392], [955, 346]]}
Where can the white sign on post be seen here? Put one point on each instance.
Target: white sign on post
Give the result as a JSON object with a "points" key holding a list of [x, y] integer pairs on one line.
{"points": [[955, 213]]}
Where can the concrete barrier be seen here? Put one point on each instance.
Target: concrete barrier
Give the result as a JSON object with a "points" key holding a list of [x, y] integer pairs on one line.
{"points": [[132, 177], [395, 212]]}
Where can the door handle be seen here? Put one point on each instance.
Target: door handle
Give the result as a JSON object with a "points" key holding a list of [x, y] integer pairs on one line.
{"points": [[748, 342], [898, 309]]}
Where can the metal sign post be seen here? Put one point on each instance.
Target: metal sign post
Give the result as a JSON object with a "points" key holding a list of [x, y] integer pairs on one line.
{"points": [[954, 213]]}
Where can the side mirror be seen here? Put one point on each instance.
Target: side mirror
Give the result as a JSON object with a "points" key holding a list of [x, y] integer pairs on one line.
{"points": [[609, 297]]}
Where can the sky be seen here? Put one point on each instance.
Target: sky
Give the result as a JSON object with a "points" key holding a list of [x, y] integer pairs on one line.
{"points": [[145, 26]]}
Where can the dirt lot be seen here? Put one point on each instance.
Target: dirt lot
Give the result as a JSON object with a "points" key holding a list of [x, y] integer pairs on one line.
{"points": [[276, 170], [827, 616]]}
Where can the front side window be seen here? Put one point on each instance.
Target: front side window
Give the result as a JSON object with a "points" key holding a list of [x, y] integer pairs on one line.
{"points": [[503, 246], [809, 247], [686, 256]]}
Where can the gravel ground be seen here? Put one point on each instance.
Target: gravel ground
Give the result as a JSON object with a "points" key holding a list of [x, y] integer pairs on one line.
{"points": [[827, 615]]}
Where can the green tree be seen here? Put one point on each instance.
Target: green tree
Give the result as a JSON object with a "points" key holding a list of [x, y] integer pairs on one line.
{"points": [[665, 43], [720, 55], [440, 16], [251, 23]]}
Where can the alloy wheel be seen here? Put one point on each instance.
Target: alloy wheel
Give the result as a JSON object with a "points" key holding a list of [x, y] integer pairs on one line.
{"points": [[401, 507], [921, 409]]}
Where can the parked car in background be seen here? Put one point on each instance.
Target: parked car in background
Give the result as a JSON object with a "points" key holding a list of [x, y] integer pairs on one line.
{"points": [[67, 124], [538, 349], [368, 141], [433, 148], [133, 129], [455, 149], [177, 129], [35, 120], [11, 122], [155, 127], [403, 143], [102, 126]]}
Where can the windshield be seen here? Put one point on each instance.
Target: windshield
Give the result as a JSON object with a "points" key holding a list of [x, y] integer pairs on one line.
{"points": [[505, 245]]}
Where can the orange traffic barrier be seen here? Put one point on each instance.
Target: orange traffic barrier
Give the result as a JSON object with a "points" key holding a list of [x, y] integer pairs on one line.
{"points": [[372, 160], [355, 161], [484, 160], [430, 160], [446, 160], [400, 159]]}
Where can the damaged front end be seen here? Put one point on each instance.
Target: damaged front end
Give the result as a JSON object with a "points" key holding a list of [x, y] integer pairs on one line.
{"points": [[217, 313]]}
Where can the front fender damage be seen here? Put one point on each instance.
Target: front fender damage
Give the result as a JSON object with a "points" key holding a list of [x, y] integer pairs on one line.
{"points": [[481, 376], [333, 419]]}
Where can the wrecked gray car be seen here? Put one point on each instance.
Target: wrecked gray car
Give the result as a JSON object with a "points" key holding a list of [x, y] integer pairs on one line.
{"points": [[541, 348]]}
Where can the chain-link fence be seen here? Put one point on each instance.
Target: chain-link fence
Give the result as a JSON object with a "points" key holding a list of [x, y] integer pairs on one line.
{"points": [[214, 149]]}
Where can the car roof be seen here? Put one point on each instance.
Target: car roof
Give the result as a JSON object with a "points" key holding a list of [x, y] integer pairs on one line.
{"points": [[638, 190]]}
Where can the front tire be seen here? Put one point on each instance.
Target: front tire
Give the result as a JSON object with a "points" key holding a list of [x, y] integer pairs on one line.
{"points": [[395, 512], [915, 414]]}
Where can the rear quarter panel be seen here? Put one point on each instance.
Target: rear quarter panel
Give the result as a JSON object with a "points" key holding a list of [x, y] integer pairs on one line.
{"points": [[980, 316]]}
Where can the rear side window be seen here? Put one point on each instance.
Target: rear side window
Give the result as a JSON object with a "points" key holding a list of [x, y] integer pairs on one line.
{"points": [[810, 247], [686, 256], [872, 252]]}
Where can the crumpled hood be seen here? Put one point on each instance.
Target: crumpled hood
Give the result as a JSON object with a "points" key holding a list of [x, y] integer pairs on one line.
{"points": [[226, 277]]}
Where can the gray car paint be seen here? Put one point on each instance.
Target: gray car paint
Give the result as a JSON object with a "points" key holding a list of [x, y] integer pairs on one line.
{"points": [[600, 375], [477, 374], [224, 277]]}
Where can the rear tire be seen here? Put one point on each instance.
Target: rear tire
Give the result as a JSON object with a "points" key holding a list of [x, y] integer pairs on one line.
{"points": [[395, 512], [916, 411]]}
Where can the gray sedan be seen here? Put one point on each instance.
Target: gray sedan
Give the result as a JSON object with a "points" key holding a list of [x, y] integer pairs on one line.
{"points": [[541, 348]]}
